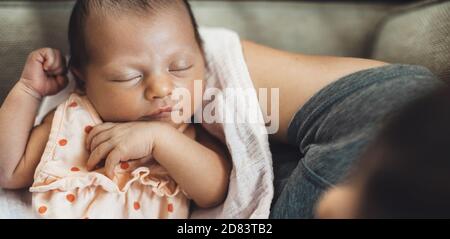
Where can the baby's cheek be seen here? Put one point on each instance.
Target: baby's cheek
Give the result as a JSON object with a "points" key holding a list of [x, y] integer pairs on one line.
{"points": [[118, 112], [184, 95]]}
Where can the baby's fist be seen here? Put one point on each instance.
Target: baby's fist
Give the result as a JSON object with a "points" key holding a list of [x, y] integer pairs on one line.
{"points": [[45, 72]]}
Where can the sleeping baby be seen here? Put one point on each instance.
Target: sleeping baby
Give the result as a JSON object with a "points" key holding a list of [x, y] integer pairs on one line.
{"points": [[112, 149]]}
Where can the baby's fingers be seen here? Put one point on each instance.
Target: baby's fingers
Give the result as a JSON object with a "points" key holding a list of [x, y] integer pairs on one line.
{"points": [[62, 81], [99, 139], [98, 154], [114, 158], [95, 131], [55, 84], [50, 58], [55, 64]]}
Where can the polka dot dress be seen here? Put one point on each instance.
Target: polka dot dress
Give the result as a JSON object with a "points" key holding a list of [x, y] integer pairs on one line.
{"points": [[64, 188]]}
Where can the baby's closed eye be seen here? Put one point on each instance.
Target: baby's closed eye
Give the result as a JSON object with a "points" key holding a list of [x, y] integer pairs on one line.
{"points": [[182, 65]]}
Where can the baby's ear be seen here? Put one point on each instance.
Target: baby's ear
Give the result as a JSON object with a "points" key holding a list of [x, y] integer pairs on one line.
{"points": [[80, 83], [76, 73]]}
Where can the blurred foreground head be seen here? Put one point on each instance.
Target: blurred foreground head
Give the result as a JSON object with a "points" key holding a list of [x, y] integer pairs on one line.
{"points": [[405, 173]]}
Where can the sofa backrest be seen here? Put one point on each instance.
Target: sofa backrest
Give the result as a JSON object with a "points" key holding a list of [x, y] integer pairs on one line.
{"points": [[417, 34], [328, 28]]}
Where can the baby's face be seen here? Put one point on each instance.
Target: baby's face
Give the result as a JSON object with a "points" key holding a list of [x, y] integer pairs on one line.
{"points": [[136, 62]]}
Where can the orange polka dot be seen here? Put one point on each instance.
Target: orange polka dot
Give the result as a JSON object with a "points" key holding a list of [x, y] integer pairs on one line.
{"points": [[137, 205], [73, 104], [124, 165], [42, 210], [88, 129], [170, 207], [75, 169], [63, 142], [70, 197]]}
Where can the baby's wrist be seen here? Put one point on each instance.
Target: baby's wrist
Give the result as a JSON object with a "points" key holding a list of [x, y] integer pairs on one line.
{"points": [[29, 90], [159, 131]]}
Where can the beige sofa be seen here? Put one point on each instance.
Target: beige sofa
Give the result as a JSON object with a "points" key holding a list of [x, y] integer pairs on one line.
{"points": [[415, 32]]}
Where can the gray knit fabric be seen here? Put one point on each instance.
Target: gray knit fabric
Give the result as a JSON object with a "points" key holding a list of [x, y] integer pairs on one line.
{"points": [[25, 27], [419, 34]]}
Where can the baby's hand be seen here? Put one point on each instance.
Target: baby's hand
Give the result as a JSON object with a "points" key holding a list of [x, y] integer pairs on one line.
{"points": [[120, 143], [45, 72]]}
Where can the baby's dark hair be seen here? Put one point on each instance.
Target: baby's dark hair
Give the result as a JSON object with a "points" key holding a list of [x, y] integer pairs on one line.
{"points": [[82, 9], [406, 172]]}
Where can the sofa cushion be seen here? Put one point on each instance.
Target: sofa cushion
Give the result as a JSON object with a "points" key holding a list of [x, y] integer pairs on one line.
{"points": [[24, 27], [418, 34]]}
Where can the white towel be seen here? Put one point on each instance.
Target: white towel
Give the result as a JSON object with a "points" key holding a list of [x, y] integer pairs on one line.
{"points": [[251, 183], [250, 191]]}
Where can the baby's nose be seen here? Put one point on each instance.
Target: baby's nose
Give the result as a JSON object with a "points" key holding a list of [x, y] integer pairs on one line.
{"points": [[159, 88]]}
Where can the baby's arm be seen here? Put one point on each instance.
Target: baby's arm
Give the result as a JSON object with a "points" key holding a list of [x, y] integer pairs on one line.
{"points": [[21, 146], [199, 163], [201, 166], [22, 174]]}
